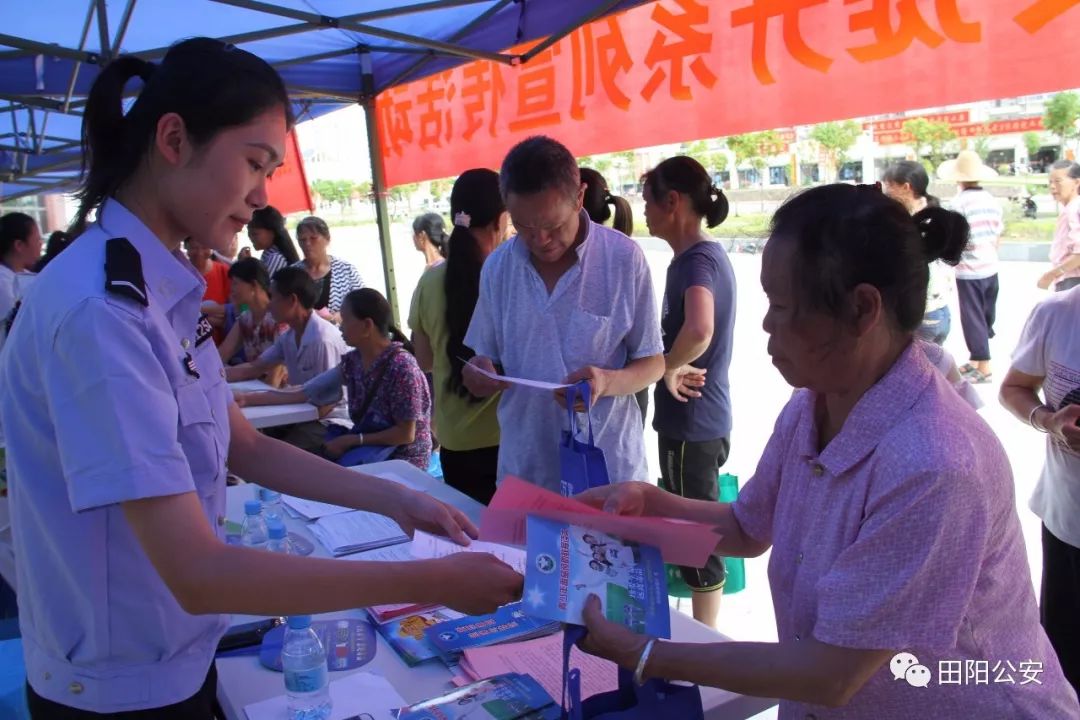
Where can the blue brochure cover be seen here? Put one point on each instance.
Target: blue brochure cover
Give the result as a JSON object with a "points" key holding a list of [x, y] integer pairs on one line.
{"points": [[567, 563], [406, 634], [504, 697], [508, 623]]}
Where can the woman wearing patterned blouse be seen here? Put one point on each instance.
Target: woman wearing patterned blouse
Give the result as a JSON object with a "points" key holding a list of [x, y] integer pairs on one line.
{"points": [[255, 328], [389, 400], [268, 234], [887, 502], [336, 278]]}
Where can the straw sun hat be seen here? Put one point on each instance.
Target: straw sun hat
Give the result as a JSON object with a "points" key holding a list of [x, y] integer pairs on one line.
{"points": [[967, 167]]}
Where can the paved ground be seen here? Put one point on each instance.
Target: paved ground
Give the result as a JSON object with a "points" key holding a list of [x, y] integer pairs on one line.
{"points": [[759, 392]]}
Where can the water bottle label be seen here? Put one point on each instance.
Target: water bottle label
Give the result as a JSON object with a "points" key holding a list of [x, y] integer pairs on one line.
{"points": [[305, 681]]}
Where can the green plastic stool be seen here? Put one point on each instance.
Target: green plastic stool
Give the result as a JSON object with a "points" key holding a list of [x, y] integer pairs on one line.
{"points": [[736, 567]]}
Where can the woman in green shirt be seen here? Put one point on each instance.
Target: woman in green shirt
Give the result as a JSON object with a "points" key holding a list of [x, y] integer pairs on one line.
{"points": [[442, 308]]}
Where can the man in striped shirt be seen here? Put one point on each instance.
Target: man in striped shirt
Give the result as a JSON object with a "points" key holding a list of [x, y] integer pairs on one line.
{"points": [[977, 273]]}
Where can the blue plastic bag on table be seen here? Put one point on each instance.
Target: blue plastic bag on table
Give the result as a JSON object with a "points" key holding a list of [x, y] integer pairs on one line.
{"points": [[654, 699], [362, 455], [582, 464]]}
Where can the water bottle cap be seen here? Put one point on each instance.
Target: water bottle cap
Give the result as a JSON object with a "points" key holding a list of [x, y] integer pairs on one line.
{"points": [[252, 507], [277, 530], [299, 622]]}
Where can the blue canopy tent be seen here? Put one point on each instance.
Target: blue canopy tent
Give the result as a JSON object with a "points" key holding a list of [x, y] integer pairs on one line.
{"points": [[330, 53]]}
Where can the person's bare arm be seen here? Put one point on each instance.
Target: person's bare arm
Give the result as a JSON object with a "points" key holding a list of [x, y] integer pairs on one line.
{"points": [[1020, 396], [210, 576], [276, 397], [231, 344], [696, 333], [805, 671], [425, 356], [247, 371]]}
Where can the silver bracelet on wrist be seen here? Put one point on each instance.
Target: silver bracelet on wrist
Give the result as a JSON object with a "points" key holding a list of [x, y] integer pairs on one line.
{"points": [[639, 671], [1031, 417], [361, 438]]}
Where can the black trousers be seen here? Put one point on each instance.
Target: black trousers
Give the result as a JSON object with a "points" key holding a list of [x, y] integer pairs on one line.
{"points": [[978, 310], [200, 706], [473, 472], [1059, 603], [692, 470]]}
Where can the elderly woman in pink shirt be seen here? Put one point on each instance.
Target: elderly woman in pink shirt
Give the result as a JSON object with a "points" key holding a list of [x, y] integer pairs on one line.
{"points": [[1065, 250], [897, 558]]}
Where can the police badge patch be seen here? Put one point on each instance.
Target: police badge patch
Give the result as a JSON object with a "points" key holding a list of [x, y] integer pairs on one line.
{"points": [[203, 331]]}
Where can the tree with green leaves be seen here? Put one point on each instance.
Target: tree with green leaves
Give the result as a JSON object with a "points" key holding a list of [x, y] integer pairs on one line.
{"points": [[836, 138], [599, 163], [1033, 143], [1062, 116], [714, 161], [753, 149], [441, 188], [929, 138], [334, 191], [981, 146]]}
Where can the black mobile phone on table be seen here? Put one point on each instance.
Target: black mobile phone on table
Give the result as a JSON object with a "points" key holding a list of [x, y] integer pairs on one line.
{"points": [[247, 634]]}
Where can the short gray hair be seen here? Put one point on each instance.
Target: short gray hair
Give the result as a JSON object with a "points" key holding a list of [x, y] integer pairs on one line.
{"points": [[539, 163]]}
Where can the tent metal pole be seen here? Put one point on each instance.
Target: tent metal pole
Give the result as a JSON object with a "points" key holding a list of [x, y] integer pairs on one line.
{"points": [[78, 65], [378, 182], [103, 31], [555, 37], [121, 31], [454, 38], [49, 50]]}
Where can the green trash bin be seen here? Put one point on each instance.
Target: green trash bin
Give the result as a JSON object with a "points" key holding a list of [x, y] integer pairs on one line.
{"points": [[736, 567]]}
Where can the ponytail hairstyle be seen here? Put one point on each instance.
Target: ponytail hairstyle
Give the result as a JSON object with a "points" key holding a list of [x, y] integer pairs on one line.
{"points": [[846, 235], [913, 174], [270, 218], [369, 304], [210, 85], [475, 202], [598, 198], [432, 225], [686, 176]]}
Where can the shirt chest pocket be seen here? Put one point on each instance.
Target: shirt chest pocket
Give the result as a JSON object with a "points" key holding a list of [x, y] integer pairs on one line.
{"points": [[198, 434], [589, 340]]}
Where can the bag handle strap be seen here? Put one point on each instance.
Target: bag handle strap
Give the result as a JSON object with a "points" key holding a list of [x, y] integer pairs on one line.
{"points": [[570, 700], [583, 389]]}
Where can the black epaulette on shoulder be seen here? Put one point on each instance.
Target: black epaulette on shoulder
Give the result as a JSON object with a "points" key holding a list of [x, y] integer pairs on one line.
{"points": [[123, 271]]}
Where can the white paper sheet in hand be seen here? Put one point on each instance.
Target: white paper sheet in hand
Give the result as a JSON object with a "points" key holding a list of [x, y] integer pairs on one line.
{"points": [[352, 695], [426, 546], [522, 382], [357, 531]]}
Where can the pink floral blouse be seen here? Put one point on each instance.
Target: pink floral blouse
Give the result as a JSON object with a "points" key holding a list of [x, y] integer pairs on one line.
{"points": [[903, 535]]}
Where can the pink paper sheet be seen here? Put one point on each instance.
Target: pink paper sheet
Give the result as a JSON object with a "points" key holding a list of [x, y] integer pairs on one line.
{"points": [[503, 521], [542, 658]]}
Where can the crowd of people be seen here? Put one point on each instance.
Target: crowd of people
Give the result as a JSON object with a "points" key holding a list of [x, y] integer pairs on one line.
{"points": [[886, 500]]}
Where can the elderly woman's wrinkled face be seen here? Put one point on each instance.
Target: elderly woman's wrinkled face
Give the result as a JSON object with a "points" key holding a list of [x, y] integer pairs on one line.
{"points": [[313, 244], [808, 347]]}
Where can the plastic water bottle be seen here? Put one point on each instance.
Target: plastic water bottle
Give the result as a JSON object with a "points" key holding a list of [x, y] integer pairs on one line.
{"points": [[271, 504], [304, 661], [253, 532], [279, 537]]}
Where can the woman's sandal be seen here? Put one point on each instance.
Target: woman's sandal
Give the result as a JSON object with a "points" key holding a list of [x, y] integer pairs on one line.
{"points": [[976, 377]]}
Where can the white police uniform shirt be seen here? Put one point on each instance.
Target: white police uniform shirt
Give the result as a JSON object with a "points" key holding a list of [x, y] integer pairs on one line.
{"points": [[103, 405]]}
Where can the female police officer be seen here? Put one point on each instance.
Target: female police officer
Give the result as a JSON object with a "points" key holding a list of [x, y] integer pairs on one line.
{"points": [[120, 422]]}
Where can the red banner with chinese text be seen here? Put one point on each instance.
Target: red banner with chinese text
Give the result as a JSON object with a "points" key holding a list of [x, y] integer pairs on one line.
{"points": [[678, 70], [288, 188]]}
